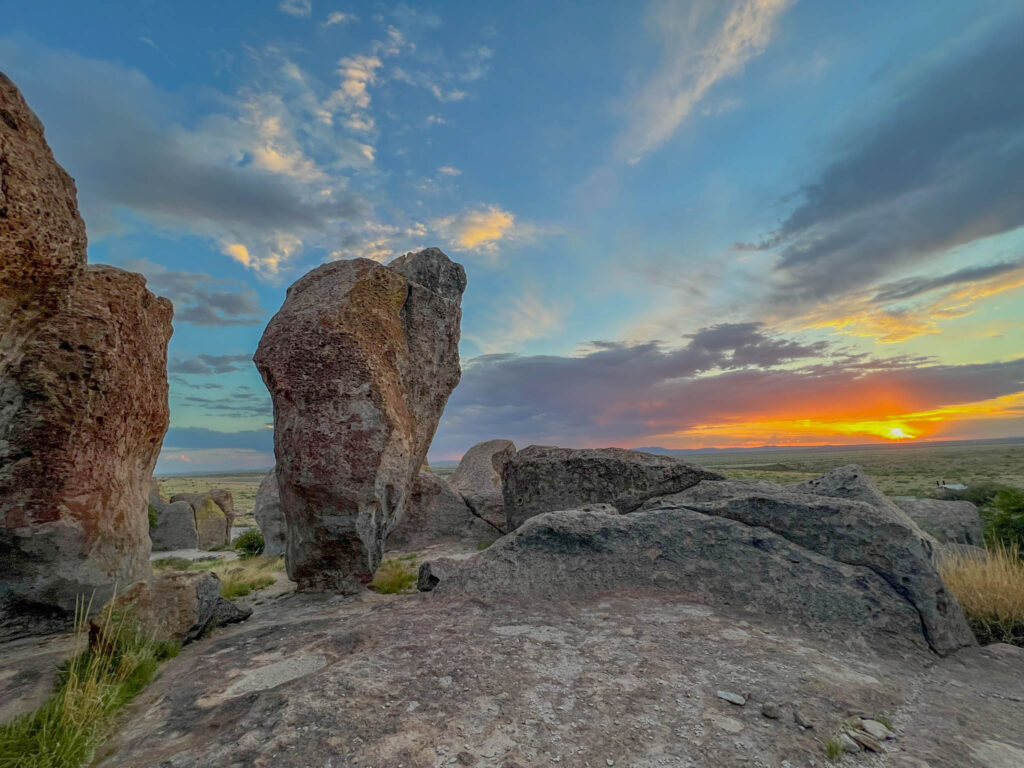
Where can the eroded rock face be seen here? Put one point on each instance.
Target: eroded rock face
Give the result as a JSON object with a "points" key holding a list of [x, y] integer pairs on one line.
{"points": [[542, 479], [221, 497], [175, 527], [211, 524], [846, 482], [704, 558], [478, 479], [42, 236], [181, 606], [359, 362], [951, 522], [436, 514], [269, 516], [84, 413]]}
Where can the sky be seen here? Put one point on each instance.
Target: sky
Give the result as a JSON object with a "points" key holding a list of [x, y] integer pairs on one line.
{"points": [[684, 224]]}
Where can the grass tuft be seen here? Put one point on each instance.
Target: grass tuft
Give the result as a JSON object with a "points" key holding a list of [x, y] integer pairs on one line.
{"points": [[238, 578], [833, 749], [250, 543], [91, 687], [991, 592], [394, 577]]}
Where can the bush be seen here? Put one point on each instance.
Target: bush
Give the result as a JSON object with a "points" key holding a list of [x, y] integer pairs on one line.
{"points": [[91, 687], [250, 543], [1004, 519], [395, 577], [990, 589], [154, 516], [238, 578]]}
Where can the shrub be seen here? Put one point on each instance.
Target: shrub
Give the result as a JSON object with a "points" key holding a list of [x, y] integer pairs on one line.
{"points": [[991, 591], [91, 687], [250, 543], [833, 749], [394, 577], [154, 516], [1004, 519]]}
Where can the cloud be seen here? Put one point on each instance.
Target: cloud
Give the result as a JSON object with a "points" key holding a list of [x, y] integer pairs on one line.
{"points": [[519, 319], [728, 383], [703, 44], [477, 229], [200, 298], [915, 286], [939, 164], [337, 17], [357, 73], [301, 9], [210, 364], [449, 170]]}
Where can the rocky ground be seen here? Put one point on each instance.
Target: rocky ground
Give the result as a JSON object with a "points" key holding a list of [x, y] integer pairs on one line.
{"points": [[626, 678]]}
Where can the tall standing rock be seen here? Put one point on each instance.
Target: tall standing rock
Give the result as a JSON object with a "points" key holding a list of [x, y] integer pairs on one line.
{"points": [[359, 361], [478, 479], [83, 394]]}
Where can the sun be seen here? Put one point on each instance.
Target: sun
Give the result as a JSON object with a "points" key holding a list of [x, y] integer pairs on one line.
{"points": [[897, 433]]}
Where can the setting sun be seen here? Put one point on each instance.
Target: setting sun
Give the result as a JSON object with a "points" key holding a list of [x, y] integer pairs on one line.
{"points": [[896, 433]]}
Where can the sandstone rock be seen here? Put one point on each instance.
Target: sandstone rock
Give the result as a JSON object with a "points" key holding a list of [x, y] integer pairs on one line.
{"points": [[175, 527], [269, 515], [181, 606], [952, 522], [211, 524], [542, 479], [359, 362], [42, 236], [84, 416], [435, 514], [701, 557], [478, 479], [860, 533]]}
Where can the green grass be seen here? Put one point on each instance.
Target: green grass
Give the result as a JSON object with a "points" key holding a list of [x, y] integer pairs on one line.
{"points": [[91, 687], [238, 578], [884, 721], [250, 543], [833, 749], [395, 577]]}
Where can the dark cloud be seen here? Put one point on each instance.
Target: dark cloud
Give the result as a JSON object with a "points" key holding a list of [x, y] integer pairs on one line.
{"points": [[197, 438], [940, 165], [900, 290], [622, 394], [199, 298], [209, 364]]}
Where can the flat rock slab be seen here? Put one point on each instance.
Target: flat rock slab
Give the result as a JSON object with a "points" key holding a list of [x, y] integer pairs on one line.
{"points": [[628, 677], [28, 672]]}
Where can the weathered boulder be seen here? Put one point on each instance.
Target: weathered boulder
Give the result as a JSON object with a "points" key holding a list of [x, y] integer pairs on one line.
{"points": [[845, 482], [211, 524], [221, 497], [952, 522], [478, 479], [84, 416], [436, 514], [703, 558], [269, 515], [175, 527], [42, 236], [359, 362], [181, 606], [711, 490], [542, 479], [877, 537]]}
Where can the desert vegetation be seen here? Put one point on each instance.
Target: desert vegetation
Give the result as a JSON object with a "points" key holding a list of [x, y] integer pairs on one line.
{"points": [[396, 576], [238, 578], [990, 588]]}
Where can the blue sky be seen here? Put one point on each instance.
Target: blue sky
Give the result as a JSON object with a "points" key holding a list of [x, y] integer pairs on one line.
{"points": [[684, 223]]}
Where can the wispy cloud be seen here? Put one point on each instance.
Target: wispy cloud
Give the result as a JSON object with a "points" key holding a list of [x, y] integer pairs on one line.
{"points": [[210, 364], [449, 170], [517, 320], [338, 17], [301, 9], [703, 44], [479, 229]]}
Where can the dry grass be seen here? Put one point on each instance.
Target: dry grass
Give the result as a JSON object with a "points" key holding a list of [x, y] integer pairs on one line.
{"points": [[395, 576], [238, 578], [93, 685], [991, 592]]}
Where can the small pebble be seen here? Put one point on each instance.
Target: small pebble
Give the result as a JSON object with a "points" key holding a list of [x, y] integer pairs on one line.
{"points": [[732, 698], [849, 745], [770, 710], [876, 729], [800, 719]]}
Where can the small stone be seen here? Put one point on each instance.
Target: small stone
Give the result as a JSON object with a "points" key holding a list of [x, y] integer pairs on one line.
{"points": [[732, 698], [848, 744], [800, 719], [865, 741], [876, 729], [770, 710], [464, 758], [609, 762]]}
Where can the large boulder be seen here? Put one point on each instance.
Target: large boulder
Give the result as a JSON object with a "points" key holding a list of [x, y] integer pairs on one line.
{"points": [[951, 522], [436, 514], [269, 515], [542, 479], [85, 414], [478, 479], [845, 482], [42, 235], [211, 524], [221, 497], [703, 558], [181, 606], [359, 362], [175, 527]]}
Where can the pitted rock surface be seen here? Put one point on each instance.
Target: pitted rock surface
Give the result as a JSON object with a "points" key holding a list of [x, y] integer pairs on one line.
{"points": [[951, 522], [359, 362]]}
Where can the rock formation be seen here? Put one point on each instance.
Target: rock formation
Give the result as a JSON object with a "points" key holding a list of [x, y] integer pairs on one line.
{"points": [[542, 479], [269, 516], [951, 522], [224, 501], [83, 388], [211, 524], [478, 479], [175, 526], [436, 514], [359, 362]]}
